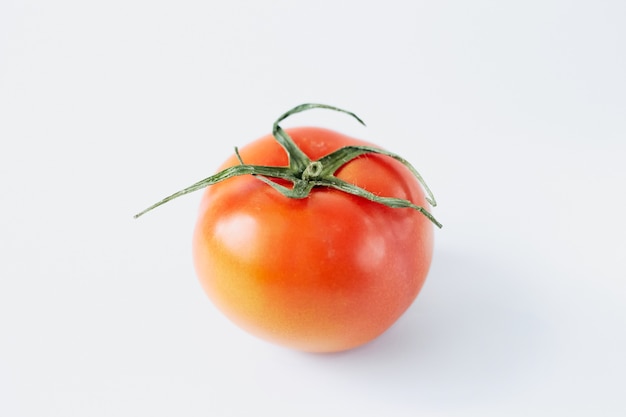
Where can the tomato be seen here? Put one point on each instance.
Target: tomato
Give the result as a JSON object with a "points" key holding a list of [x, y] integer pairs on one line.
{"points": [[326, 272]]}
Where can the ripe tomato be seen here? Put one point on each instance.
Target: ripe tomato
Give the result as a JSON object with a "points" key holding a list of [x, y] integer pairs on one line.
{"points": [[330, 268], [325, 273]]}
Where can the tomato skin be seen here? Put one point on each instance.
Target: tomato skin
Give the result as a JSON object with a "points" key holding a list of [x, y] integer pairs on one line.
{"points": [[325, 273]]}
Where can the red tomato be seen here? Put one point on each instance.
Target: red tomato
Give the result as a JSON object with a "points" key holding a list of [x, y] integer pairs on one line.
{"points": [[324, 273]]}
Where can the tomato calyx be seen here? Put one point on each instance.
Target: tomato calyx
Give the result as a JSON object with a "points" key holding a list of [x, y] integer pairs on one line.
{"points": [[305, 174]]}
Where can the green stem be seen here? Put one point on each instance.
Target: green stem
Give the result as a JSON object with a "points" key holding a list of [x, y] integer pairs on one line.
{"points": [[305, 174]]}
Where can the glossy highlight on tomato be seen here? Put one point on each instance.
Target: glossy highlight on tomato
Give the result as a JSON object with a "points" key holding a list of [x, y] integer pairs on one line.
{"points": [[323, 271]]}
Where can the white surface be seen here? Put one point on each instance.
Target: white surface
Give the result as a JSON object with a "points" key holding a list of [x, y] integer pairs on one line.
{"points": [[513, 111]]}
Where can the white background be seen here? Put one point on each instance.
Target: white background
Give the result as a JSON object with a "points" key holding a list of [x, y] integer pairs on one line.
{"points": [[514, 111]]}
